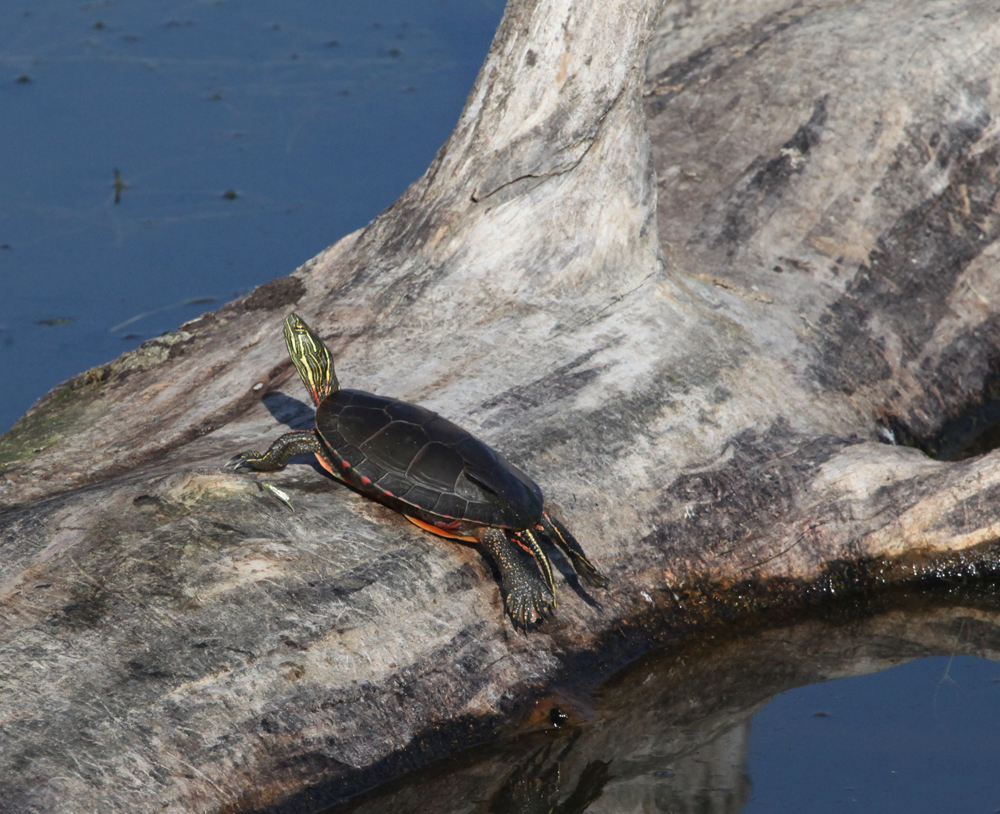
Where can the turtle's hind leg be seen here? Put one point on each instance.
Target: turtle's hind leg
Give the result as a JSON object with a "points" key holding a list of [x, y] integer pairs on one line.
{"points": [[567, 542], [528, 540], [291, 443], [527, 599]]}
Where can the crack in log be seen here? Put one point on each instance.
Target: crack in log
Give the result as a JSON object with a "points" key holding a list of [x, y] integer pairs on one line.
{"points": [[625, 93]]}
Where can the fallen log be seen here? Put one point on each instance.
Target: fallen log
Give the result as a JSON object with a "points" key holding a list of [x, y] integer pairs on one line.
{"points": [[691, 270]]}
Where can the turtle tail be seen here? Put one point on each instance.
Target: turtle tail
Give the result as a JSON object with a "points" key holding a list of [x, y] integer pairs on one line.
{"points": [[567, 542]]}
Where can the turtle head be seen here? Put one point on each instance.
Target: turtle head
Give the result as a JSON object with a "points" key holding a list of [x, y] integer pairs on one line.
{"points": [[311, 357]]}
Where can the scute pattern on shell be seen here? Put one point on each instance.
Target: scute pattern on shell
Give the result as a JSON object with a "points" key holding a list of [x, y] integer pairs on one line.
{"points": [[395, 451]]}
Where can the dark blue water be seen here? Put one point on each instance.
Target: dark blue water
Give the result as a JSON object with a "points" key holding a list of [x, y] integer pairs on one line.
{"points": [[248, 136], [921, 737], [316, 116]]}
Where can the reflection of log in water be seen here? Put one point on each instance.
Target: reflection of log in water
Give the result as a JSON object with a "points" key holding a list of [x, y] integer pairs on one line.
{"points": [[673, 728], [711, 779], [536, 785]]}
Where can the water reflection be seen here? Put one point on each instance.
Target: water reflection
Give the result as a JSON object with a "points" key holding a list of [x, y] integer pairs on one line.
{"points": [[537, 784], [678, 731]]}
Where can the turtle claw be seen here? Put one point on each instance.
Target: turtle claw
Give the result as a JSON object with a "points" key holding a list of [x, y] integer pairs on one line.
{"points": [[528, 599], [530, 603], [238, 462], [529, 606]]}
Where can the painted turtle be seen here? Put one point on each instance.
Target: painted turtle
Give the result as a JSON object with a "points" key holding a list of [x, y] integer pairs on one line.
{"points": [[433, 472]]}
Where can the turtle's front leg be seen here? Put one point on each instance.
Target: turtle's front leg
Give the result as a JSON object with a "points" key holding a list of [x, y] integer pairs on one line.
{"points": [[528, 601], [277, 455]]}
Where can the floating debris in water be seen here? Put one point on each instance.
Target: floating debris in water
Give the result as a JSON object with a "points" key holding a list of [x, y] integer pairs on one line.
{"points": [[119, 186]]}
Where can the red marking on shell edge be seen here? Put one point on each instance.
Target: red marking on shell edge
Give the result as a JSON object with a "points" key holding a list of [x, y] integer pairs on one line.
{"points": [[386, 492]]}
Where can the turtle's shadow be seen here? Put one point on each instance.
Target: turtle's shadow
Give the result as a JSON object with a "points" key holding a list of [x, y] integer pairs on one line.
{"points": [[573, 581], [292, 412]]}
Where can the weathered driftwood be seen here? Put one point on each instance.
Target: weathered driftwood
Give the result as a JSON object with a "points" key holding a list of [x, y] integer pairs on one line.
{"points": [[696, 342]]}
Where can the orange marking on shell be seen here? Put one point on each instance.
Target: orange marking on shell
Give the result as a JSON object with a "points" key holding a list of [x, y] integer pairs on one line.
{"points": [[365, 481], [325, 464], [439, 531]]}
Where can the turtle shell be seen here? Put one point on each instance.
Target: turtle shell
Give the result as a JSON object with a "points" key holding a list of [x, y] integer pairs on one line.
{"points": [[423, 465]]}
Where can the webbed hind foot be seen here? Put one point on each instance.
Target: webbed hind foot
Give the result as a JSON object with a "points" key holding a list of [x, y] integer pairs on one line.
{"points": [[526, 595]]}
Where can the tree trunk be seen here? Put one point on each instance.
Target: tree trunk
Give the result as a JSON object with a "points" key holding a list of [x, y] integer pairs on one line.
{"points": [[694, 296]]}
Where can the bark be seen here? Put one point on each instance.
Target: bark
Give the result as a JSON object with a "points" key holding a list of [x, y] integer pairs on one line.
{"points": [[690, 270]]}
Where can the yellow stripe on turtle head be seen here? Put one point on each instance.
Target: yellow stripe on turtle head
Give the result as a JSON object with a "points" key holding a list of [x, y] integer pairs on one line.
{"points": [[311, 358]]}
